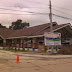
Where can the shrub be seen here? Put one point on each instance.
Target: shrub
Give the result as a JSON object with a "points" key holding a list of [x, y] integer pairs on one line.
{"points": [[66, 50]]}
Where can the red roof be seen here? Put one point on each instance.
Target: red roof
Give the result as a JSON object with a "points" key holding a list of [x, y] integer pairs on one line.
{"points": [[31, 31]]}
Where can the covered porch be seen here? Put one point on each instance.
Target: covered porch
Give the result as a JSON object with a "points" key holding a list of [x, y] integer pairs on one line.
{"points": [[34, 41]]}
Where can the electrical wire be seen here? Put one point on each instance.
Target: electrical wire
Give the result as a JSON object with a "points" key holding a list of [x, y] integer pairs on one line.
{"points": [[61, 12], [36, 13], [62, 17], [40, 14], [23, 14], [36, 2], [62, 8], [24, 7], [22, 11]]}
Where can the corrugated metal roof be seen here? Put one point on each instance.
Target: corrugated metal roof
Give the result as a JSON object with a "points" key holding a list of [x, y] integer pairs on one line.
{"points": [[31, 31]]}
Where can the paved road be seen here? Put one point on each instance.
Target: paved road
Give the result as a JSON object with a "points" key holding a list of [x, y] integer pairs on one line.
{"points": [[38, 56], [34, 63]]}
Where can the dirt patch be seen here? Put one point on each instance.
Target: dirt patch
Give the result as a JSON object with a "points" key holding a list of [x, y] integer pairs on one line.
{"points": [[3, 61]]}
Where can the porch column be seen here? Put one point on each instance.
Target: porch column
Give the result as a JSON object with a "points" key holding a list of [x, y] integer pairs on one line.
{"points": [[12, 43], [21, 43], [4, 43], [34, 43]]}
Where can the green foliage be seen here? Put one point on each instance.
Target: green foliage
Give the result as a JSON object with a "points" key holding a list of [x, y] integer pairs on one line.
{"points": [[53, 54], [18, 25], [1, 26]]}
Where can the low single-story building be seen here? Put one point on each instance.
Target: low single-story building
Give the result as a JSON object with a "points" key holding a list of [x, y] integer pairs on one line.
{"points": [[32, 37]]}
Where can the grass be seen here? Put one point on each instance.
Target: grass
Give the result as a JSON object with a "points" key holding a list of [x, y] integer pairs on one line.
{"points": [[12, 50], [54, 54], [28, 52], [24, 52]]}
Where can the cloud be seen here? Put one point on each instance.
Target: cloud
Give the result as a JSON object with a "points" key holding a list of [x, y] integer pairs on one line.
{"points": [[41, 6]]}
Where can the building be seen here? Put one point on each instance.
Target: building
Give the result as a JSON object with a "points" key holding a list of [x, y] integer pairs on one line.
{"points": [[32, 37]]}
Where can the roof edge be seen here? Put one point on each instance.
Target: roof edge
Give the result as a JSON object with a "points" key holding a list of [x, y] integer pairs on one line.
{"points": [[38, 35], [2, 37], [62, 26]]}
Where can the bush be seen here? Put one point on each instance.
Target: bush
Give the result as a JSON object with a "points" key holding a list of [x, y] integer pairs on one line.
{"points": [[66, 50]]}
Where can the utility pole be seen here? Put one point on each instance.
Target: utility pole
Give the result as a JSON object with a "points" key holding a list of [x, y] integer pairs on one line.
{"points": [[50, 15]]}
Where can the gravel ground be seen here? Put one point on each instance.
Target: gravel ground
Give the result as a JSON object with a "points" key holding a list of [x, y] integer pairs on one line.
{"points": [[32, 64]]}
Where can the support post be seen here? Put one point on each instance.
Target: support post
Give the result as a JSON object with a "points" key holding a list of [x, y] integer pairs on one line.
{"points": [[4, 43], [21, 43], [12, 43], [34, 43]]}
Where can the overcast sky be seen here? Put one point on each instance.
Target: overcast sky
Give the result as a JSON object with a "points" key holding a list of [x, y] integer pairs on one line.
{"points": [[11, 10]]}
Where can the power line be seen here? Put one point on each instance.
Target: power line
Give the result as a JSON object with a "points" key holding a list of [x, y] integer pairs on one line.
{"points": [[61, 12], [40, 14], [34, 13], [23, 14], [36, 2], [48, 5], [25, 7], [22, 11], [62, 17], [62, 8], [40, 7]]}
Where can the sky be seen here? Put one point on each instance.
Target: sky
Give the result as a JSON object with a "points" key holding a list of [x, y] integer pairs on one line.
{"points": [[35, 12]]}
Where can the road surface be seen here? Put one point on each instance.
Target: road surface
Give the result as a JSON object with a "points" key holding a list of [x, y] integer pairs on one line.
{"points": [[33, 64]]}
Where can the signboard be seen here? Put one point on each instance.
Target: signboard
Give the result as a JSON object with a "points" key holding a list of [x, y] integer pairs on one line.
{"points": [[52, 38]]}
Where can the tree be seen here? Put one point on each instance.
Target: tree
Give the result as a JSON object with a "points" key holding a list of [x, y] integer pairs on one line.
{"points": [[1, 26], [18, 25]]}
